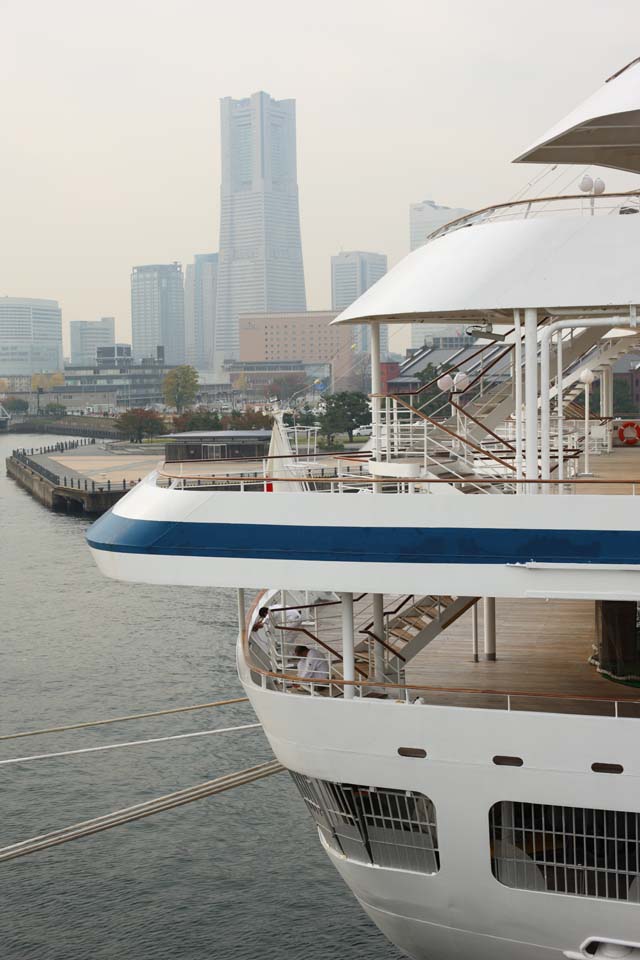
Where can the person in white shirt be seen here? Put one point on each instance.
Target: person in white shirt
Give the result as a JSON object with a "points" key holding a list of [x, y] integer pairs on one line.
{"points": [[293, 617], [259, 636], [312, 663]]}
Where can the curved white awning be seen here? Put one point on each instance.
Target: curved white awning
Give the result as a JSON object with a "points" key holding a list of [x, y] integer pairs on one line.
{"points": [[603, 130], [486, 268]]}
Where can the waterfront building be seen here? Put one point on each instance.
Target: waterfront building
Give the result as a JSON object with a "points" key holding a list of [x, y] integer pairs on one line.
{"points": [[353, 272], [200, 288], [305, 336], [30, 336], [260, 262], [138, 383], [88, 335], [157, 311]]}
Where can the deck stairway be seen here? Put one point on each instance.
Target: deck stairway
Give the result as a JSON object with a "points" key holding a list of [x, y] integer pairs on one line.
{"points": [[412, 627], [464, 443]]}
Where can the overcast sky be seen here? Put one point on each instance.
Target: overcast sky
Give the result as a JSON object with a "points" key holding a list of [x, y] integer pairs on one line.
{"points": [[110, 152]]}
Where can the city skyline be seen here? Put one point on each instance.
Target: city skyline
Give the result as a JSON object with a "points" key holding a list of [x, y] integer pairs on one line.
{"points": [[140, 145]]}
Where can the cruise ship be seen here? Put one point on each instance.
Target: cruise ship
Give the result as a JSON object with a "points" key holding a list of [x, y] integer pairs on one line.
{"points": [[439, 632]]}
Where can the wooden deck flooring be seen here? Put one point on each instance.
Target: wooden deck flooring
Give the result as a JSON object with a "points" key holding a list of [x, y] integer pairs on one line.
{"points": [[543, 649], [623, 463]]}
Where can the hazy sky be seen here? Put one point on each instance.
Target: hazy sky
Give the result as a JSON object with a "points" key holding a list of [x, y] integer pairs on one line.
{"points": [[110, 153]]}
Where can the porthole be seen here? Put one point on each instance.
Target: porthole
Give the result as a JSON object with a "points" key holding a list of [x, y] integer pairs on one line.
{"points": [[504, 761], [607, 768]]}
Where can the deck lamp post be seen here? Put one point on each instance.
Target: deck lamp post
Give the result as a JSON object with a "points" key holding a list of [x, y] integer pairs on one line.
{"points": [[586, 377]]}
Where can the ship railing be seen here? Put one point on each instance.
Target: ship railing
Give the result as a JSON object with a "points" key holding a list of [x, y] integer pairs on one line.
{"points": [[273, 645], [406, 432], [278, 672], [358, 483], [576, 204]]}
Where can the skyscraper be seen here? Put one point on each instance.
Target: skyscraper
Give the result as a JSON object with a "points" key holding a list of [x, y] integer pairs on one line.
{"points": [[157, 311], [200, 286], [87, 336], [30, 336], [353, 272], [260, 261], [427, 216], [424, 218]]}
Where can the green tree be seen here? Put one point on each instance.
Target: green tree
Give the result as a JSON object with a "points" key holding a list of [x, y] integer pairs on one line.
{"points": [[343, 413], [180, 387], [139, 423], [15, 405], [55, 410]]}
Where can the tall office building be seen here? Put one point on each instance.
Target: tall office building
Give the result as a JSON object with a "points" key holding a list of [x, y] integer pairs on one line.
{"points": [[424, 218], [200, 287], [353, 272], [427, 216], [30, 336], [87, 336], [157, 311], [260, 262]]}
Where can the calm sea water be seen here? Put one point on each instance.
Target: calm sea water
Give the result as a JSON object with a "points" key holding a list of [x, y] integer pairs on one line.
{"points": [[240, 875]]}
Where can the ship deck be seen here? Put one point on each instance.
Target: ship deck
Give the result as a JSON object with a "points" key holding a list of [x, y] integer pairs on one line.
{"points": [[543, 649]]}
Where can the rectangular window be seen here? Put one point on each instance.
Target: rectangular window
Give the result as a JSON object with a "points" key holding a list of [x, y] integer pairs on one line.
{"points": [[389, 828], [571, 850]]}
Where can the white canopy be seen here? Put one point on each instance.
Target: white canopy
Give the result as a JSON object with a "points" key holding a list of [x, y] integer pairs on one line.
{"points": [[488, 269], [604, 130]]}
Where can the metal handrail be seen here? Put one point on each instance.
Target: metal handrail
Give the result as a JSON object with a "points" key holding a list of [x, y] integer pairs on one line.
{"points": [[334, 653], [483, 426], [425, 386], [377, 684], [367, 480], [457, 223], [452, 433]]}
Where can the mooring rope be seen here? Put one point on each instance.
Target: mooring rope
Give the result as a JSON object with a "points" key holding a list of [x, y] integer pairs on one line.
{"points": [[132, 716], [130, 743], [140, 810]]}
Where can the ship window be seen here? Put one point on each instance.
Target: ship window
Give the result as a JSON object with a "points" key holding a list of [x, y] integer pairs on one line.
{"points": [[607, 768], [389, 828], [502, 761], [572, 850]]}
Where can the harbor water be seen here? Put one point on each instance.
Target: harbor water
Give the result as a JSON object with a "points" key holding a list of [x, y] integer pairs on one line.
{"points": [[240, 875]]}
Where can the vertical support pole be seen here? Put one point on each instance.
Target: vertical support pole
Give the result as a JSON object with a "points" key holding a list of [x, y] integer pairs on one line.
{"points": [[489, 624], [241, 610], [560, 408], [348, 655], [474, 632], [378, 629], [376, 388], [587, 398], [531, 396], [609, 408], [517, 371]]}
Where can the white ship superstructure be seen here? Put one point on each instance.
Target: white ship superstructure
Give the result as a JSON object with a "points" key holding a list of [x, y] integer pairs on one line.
{"points": [[443, 615]]}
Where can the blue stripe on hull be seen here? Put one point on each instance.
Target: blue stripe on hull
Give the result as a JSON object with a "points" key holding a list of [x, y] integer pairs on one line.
{"points": [[363, 544]]}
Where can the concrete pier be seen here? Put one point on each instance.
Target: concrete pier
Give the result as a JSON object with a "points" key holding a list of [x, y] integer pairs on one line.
{"points": [[79, 478]]}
